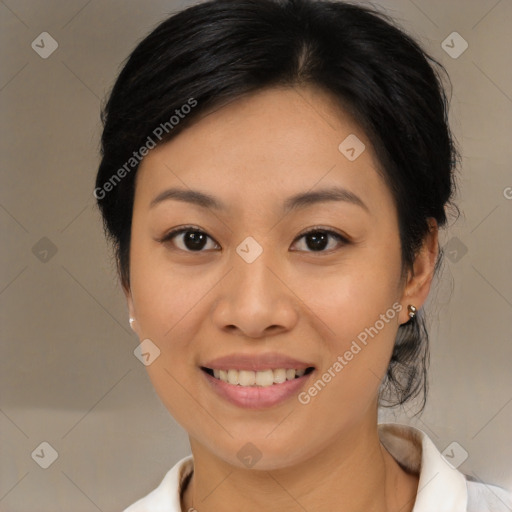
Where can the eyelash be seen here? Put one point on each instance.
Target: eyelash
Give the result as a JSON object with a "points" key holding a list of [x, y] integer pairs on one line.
{"points": [[317, 229]]}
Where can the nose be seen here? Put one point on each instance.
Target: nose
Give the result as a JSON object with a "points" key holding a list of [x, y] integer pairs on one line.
{"points": [[256, 299]]}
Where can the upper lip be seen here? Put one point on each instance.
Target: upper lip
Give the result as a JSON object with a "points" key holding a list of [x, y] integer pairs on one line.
{"points": [[255, 362]]}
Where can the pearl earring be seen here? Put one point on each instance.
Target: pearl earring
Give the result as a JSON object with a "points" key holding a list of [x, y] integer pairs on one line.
{"points": [[131, 320], [411, 310]]}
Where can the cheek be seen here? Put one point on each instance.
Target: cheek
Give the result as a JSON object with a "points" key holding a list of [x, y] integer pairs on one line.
{"points": [[169, 308], [167, 304], [162, 293], [353, 307], [357, 348], [351, 297], [356, 313]]}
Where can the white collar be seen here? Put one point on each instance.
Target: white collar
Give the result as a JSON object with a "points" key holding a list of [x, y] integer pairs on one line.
{"points": [[441, 488]]}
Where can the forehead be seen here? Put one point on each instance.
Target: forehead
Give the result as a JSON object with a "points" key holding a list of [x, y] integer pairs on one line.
{"points": [[275, 142]]}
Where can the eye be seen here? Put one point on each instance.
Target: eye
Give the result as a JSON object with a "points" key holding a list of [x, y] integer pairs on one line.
{"points": [[317, 239], [194, 239]]}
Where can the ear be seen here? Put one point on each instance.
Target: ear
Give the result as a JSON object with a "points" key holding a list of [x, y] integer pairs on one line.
{"points": [[131, 308], [419, 278]]}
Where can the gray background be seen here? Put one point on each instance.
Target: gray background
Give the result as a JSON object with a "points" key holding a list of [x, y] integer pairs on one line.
{"points": [[68, 373]]}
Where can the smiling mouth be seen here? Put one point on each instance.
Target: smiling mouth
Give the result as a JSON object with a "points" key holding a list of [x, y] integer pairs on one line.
{"points": [[263, 378]]}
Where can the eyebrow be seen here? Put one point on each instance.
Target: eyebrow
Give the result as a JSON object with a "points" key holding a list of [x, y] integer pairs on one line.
{"points": [[294, 202]]}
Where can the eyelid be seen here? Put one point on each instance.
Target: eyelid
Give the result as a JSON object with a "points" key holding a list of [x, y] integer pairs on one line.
{"points": [[329, 231], [343, 239], [178, 231]]}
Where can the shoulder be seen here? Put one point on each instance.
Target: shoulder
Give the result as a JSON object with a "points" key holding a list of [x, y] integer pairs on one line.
{"points": [[441, 486], [487, 498], [166, 497]]}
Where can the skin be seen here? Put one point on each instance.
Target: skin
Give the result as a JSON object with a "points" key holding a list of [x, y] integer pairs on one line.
{"points": [[252, 154]]}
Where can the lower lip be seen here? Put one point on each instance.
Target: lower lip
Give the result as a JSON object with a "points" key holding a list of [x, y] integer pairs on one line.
{"points": [[257, 397]]}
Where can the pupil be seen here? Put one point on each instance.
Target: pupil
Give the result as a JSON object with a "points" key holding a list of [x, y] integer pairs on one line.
{"points": [[319, 240], [194, 240]]}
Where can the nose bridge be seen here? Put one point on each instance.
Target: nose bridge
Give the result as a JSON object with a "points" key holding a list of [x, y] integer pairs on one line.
{"points": [[254, 298], [251, 268]]}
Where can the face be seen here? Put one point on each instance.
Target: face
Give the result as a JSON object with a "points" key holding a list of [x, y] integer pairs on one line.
{"points": [[266, 282]]}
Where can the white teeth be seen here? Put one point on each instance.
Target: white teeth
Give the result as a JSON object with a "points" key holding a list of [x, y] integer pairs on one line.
{"points": [[290, 374], [263, 378], [280, 375], [246, 378], [233, 376]]}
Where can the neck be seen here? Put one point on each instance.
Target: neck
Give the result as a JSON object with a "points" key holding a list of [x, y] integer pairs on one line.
{"points": [[354, 473]]}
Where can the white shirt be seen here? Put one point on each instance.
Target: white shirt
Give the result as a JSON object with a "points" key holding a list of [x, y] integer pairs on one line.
{"points": [[441, 488]]}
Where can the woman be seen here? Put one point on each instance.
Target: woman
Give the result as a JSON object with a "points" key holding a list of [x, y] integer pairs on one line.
{"points": [[273, 179]]}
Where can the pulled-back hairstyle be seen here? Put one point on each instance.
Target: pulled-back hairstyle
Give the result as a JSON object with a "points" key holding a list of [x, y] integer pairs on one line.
{"points": [[217, 51]]}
